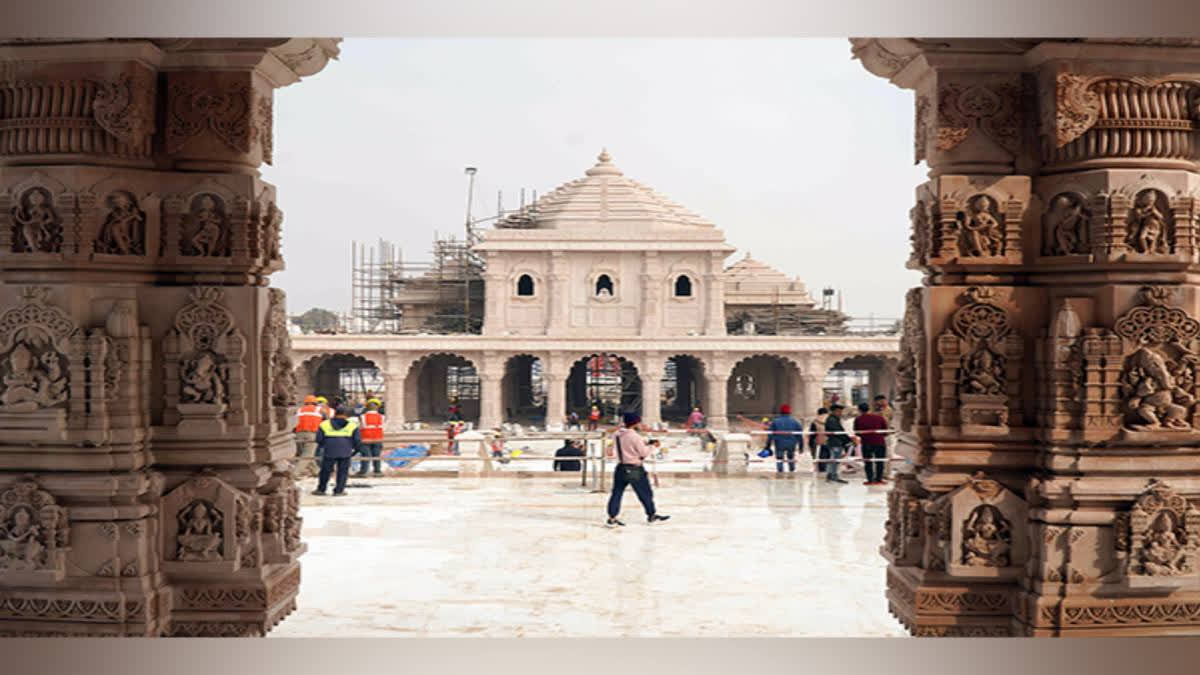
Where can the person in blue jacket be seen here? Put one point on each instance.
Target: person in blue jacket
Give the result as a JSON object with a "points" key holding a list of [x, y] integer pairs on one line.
{"points": [[783, 434], [338, 440]]}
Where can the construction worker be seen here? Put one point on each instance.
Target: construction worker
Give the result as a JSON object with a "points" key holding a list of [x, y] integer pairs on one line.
{"points": [[339, 439], [371, 423], [308, 420], [323, 406]]}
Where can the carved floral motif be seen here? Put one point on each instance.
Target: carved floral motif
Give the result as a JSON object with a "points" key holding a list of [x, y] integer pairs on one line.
{"points": [[124, 107], [225, 112], [993, 108]]}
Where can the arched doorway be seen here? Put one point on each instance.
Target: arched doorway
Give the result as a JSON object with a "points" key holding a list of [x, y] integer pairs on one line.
{"points": [[610, 381], [441, 380], [859, 378], [684, 387], [759, 384], [340, 377], [523, 390]]}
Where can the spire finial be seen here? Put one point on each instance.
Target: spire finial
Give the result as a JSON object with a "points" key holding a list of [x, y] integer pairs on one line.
{"points": [[604, 166]]}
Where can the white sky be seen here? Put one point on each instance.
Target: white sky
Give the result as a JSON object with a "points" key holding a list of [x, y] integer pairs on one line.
{"points": [[800, 155]]}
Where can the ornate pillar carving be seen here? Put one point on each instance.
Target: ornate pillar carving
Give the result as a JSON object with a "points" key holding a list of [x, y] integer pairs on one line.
{"points": [[160, 391], [394, 377], [1052, 340], [714, 294], [650, 367], [716, 377], [491, 404], [651, 314], [554, 378], [559, 297]]}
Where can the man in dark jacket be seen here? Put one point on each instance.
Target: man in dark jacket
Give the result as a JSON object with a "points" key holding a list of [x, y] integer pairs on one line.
{"points": [[339, 439], [783, 434], [569, 449], [837, 440]]}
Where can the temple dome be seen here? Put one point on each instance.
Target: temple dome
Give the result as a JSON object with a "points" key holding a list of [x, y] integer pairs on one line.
{"points": [[604, 196]]}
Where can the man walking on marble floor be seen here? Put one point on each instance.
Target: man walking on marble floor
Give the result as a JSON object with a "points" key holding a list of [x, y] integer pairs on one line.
{"points": [[631, 451]]}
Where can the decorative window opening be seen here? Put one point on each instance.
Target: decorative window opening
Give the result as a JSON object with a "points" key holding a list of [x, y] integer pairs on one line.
{"points": [[604, 286], [745, 386], [683, 286], [525, 286]]}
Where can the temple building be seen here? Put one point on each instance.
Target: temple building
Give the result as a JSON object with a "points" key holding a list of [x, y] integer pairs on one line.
{"points": [[600, 292]]}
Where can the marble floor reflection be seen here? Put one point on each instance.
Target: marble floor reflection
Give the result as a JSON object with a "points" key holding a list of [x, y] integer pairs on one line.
{"points": [[510, 557]]}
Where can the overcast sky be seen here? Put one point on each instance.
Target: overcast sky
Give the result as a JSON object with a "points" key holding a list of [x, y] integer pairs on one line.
{"points": [[801, 156]]}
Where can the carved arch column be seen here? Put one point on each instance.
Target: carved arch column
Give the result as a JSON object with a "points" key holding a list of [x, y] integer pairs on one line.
{"points": [[136, 244], [1051, 341]]}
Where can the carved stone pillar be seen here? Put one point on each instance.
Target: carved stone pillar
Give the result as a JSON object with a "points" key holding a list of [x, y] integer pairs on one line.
{"points": [[650, 367], [1047, 383], [714, 293], [554, 379], [717, 381], [559, 296], [394, 377], [813, 386], [143, 352], [491, 403]]}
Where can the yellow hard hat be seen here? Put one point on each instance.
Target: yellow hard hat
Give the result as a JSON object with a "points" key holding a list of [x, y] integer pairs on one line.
{"points": [[374, 401], [516, 453], [322, 399]]}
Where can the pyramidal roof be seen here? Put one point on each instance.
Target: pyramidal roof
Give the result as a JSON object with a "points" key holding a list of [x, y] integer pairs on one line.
{"points": [[749, 269], [604, 196]]}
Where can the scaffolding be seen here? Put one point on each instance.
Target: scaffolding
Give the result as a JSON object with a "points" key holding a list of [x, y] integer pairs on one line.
{"points": [[372, 309]]}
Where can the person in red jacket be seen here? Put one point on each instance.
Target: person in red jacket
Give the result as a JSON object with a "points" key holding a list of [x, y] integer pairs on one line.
{"points": [[874, 444], [371, 425]]}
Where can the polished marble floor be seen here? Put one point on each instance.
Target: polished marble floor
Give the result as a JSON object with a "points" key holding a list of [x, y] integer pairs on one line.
{"points": [[508, 557]]}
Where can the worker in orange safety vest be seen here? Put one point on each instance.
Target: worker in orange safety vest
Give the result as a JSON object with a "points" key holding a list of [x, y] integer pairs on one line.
{"points": [[308, 420], [370, 425]]}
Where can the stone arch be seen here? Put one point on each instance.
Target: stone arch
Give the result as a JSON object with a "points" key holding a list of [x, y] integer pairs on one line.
{"points": [[611, 379], [684, 386], [760, 383], [441, 378], [522, 388], [876, 374], [331, 374]]}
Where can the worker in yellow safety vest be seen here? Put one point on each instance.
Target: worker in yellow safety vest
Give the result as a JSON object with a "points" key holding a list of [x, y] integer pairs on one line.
{"points": [[338, 439]]}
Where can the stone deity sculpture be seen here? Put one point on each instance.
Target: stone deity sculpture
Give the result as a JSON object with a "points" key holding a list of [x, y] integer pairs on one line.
{"points": [[982, 234], [202, 381], [199, 533], [987, 538], [37, 222], [122, 231], [1147, 226]]}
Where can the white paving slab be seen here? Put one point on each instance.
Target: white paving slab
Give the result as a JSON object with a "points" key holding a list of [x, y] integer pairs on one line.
{"points": [[510, 557]]}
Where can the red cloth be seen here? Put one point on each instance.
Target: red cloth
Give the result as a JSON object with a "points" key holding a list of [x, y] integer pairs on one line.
{"points": [[867, 423]]}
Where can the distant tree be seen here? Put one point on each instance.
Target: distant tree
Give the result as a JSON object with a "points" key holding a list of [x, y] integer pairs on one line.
{"points": [[317, 320]]}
